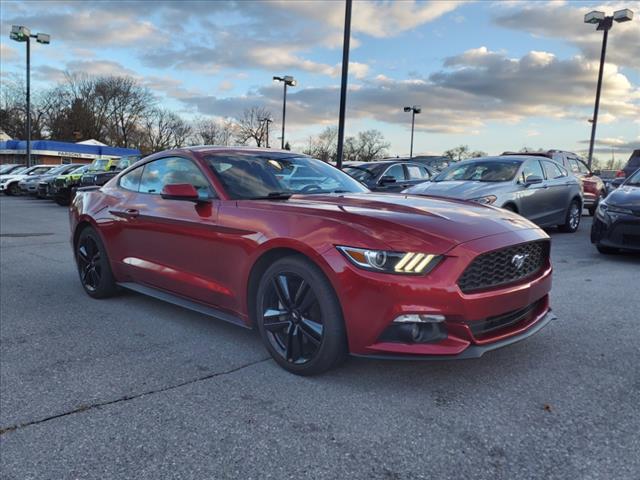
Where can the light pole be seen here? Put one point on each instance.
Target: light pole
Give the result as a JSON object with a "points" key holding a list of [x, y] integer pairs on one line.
{"points": [[415, 109], [21, 33], [267, 120], [345, 76], [288, 81], [604, 23]]}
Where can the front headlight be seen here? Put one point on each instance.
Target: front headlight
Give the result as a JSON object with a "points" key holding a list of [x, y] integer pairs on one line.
{"points": [[401, 263], [486, 200], [606, 208]]}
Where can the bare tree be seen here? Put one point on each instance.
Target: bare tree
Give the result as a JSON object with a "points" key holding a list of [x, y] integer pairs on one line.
{"points": [[213, 132], [163, 129], [371, 145], [462, 152], [324, 146], [252, 126]]}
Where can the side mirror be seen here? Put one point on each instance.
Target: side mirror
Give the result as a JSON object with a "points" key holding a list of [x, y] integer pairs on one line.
{"points": [[180, 191], [386, 180], [532, 180], [112, 168], [596, 172]]}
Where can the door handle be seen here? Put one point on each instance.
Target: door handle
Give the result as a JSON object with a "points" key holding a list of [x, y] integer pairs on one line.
{"points": [[128, 213]]}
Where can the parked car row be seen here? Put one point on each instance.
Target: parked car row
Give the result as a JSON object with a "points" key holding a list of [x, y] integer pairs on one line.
{"points": [[59, 182], [549, 188]]}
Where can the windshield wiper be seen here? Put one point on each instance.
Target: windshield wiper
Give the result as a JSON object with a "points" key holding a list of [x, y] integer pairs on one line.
{"points": [[284, 195]]}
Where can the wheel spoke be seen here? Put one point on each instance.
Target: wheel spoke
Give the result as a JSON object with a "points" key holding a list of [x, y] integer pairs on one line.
{"points": [[96, 278], [277, 326], [272, 313], [290, 335], [300, 343], [312, 330], [304, 297], [282, 290], [82, 252], [85, 273]]}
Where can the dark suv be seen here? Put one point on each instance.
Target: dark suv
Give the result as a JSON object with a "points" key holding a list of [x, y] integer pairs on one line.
{"points": [[388, 175], [593, 188]]}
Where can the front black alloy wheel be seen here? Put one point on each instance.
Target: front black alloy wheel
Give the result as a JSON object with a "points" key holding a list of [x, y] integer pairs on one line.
{"points": [[93, 265], [299, 317]]}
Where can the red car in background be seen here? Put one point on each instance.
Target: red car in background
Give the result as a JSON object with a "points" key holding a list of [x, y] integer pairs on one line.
{"points": [[322, 267]]}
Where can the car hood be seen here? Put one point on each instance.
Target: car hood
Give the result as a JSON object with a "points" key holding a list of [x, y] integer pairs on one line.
{"points": [[627, 196], [399, 220], [464, 190]]}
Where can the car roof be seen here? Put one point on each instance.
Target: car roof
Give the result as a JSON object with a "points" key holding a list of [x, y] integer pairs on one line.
{"points": [[500, 158]]}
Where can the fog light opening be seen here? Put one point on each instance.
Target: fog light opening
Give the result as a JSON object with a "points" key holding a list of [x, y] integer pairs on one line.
{"points": [[419, 318]]}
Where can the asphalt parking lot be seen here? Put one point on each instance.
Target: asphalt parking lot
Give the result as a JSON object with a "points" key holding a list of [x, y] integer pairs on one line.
{"points": [[134, 388]]}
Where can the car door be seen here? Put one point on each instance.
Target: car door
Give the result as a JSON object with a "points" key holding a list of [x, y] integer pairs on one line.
{"points": [[396, 171], [174, 244], [535, 199], [416, 174], [560, 190]]}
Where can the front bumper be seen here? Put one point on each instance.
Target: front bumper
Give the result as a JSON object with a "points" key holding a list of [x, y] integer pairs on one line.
{"points": [[476, 351], [371, 301], [616, 231]]}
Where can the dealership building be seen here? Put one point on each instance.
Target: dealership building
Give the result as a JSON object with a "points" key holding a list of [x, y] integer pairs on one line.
{"points": [[53, 152]]}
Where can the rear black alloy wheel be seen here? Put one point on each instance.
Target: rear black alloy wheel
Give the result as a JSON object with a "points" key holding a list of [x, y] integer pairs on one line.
{"points": [[93, 265], [14, 189], [572, 220], [299, 317]]}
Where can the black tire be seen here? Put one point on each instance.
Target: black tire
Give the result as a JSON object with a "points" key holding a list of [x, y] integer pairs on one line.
{"points": [[305, 331], [572, 218], [510, 208], [93, 265], [607, 250], [13, 189], [62, 200]]}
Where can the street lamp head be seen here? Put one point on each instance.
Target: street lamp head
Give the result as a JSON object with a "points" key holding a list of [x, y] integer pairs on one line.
{"points": [[19, 33], [623, 15], [594, 17], [407, 109], [43, 38], [417, 109], [289, 80]]}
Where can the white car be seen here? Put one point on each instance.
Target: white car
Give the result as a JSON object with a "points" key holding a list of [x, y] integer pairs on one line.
{"points": [[9, 183]]}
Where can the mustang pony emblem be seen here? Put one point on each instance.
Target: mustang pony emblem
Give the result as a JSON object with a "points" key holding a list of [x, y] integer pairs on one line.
{"points": [[518, 260]]}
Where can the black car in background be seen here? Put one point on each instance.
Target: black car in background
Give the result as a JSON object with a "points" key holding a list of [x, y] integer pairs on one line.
{"points": [[616, 224], [43, 189], [388, 175], [100, 178]]}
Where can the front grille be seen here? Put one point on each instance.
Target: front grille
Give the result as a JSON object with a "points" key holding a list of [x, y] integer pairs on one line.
{"points": [[631, 240], [504, 266], [483, 327]]}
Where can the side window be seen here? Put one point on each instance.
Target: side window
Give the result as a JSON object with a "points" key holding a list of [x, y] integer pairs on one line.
{"points": [[532, 168], [170, 170], [583, 167], [573, 165], [397, 172], [131, 181], [417, 172], [553, 170]]}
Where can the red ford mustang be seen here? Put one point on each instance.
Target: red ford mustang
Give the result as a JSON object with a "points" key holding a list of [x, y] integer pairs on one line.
{"points": [[320, 265]]}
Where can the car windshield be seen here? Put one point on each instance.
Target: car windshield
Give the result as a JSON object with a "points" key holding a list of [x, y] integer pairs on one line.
{"points": [[7, 168], [81, 169], [360, 172], [39, 170], [481, 171], [125, 162], [634, 179], [265, 175], [99, 165], [58, 169]]}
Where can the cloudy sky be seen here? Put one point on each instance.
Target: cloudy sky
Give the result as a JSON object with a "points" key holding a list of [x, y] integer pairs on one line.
{"points": [[493, 75]]}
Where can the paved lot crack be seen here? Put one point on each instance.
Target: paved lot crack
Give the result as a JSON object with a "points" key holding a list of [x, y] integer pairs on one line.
{"points": [[126, 398]]}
